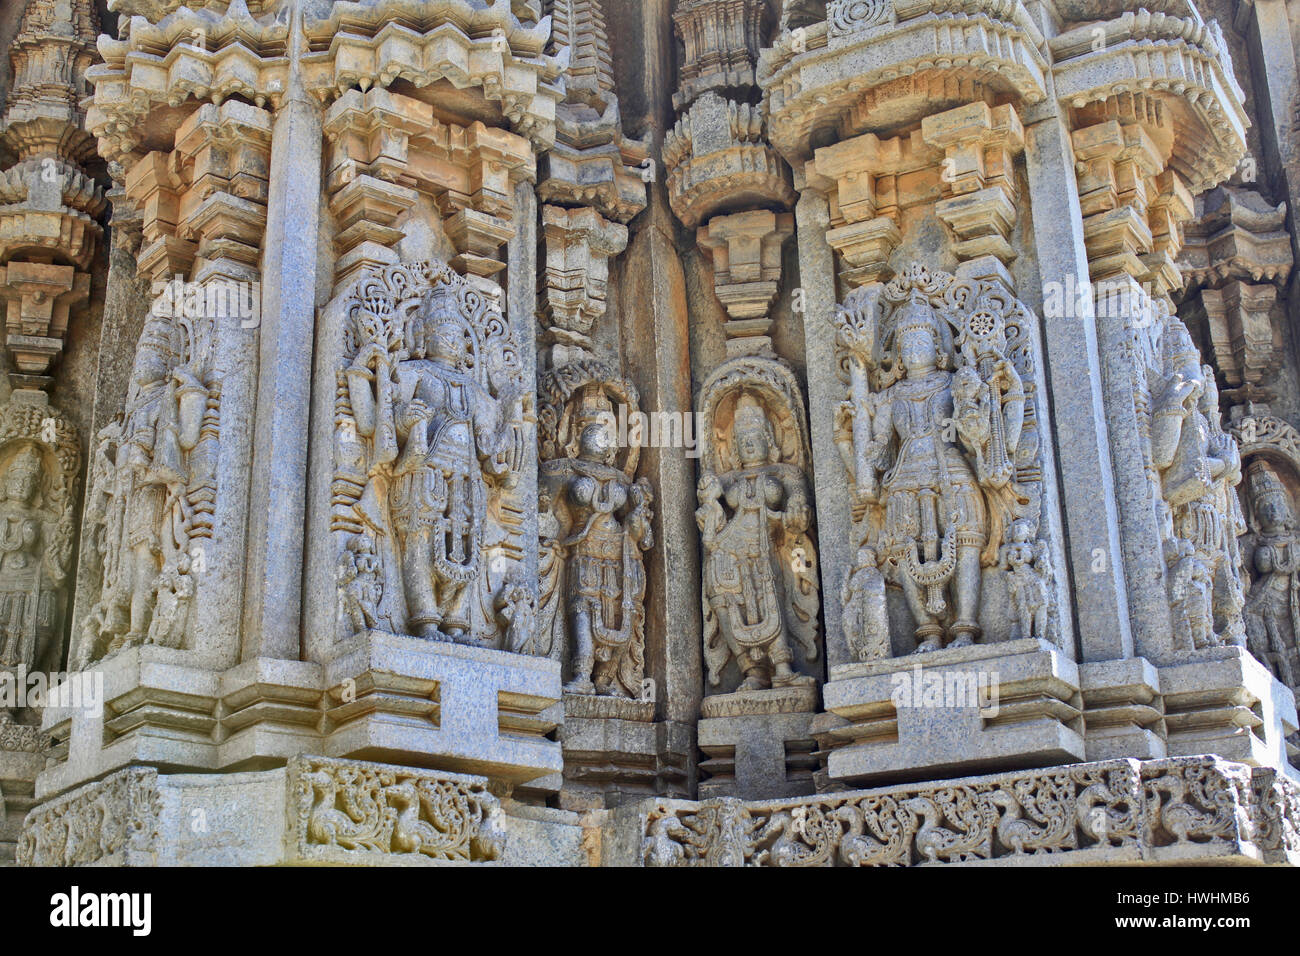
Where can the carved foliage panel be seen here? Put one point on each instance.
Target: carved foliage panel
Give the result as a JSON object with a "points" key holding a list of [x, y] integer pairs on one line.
{"points": [[1123, 807], [352, 812], [114, 821]]}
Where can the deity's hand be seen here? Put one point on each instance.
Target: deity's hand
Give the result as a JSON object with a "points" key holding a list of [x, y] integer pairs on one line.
{"points": [[371, 356], [1004, 372], [709, 488], [414, 412], [865, 491], [796, 518], [844, 415], [183, 375], [1182, 392], [137, 459]]}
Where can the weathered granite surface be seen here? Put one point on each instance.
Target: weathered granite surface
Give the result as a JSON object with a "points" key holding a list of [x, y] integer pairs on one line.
{"points": [[615, 432]]}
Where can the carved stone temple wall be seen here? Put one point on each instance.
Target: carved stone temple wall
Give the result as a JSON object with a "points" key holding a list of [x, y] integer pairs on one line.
{"points": [[649, 432]]}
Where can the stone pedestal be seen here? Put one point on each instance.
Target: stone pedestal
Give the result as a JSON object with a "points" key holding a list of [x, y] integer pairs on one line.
{"points": [[1223, 701], [1123, 712], [758, 744], [951, 711], [382, 696], [614, 751], [460, 708]]}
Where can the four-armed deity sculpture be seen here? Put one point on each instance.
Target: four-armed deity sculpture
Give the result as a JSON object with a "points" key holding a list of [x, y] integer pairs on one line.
{"points": [[443, 438], [431, 412], [147, 492], [939, 439]]}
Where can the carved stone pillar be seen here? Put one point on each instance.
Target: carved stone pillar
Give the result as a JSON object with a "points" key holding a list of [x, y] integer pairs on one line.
{"points": [[272, 615], [234, 424], [1121, 699], [725, 182]]}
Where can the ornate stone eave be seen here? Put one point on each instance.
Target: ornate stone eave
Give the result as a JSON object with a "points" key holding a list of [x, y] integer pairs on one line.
{"points": [[717, 156], [1236, 258], [157, 9], [1071, 10], [206, 55], [1178, 62], [936, 57], [49, 205]]}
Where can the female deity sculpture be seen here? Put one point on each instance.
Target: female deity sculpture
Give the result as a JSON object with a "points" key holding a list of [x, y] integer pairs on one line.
{"points": [[603, 524], [39, 463], [760, 596], [1273, 610], [25, 602]]}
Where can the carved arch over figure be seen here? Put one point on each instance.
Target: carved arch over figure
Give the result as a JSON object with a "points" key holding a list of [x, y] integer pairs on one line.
{"points": [[559, 423], [774, 383]]}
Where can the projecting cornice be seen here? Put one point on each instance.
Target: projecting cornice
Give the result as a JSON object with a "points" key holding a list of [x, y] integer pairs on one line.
{"points": [[211, 55], [919, 56]]}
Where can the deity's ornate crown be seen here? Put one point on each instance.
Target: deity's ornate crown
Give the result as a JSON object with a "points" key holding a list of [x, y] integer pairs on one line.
{"points": [[917, 313], [27, 463], [1179, 347], [1263, 480], [749, 413]]}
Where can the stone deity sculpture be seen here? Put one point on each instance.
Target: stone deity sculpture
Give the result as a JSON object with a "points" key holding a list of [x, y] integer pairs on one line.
{"points": [[754, 517], [602, 521], [446, 438], [1273, 609], [938, 434]]}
